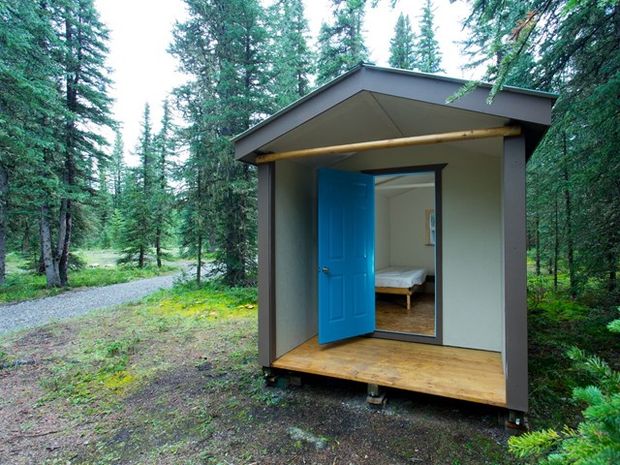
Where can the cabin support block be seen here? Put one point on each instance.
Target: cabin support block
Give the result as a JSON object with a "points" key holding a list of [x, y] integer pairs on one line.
{"points": [[516, 422], [277, 378], [376, 395]]}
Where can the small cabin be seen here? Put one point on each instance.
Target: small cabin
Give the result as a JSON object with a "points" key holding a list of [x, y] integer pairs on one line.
{"points": [[392, 236]]}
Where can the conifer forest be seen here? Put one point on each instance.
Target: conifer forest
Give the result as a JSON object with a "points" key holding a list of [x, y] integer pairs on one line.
{"points": [[63, 184], [67, 184]]}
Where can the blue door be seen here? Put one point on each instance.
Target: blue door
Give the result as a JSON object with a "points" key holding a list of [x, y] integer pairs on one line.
{"points": [[346, 256]]}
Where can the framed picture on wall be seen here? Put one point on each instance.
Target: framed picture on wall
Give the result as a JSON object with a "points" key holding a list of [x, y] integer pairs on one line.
{"points": [[430, 226]]}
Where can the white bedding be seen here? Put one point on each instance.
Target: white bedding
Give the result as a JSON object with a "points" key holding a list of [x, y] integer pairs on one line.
{"points": [[399, 276]]}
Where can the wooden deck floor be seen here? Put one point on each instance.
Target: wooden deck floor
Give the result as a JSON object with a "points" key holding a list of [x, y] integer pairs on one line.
{"points": [[472, 375], [392, 314]]}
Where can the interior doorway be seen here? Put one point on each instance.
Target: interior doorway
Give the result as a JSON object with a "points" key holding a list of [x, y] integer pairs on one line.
{"points": [[406, 253]]}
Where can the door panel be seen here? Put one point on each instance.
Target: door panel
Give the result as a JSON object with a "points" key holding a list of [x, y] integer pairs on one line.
{"points": [[346, 210]]}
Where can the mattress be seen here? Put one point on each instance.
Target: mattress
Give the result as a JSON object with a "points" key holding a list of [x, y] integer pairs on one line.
{"points": [[399, 276]]}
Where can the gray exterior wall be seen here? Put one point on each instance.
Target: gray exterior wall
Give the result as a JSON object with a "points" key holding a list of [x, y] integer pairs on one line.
{"points": [[295, 255]]}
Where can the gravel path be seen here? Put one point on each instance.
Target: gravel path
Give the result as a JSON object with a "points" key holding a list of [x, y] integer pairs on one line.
{"points": [[39, 312]]}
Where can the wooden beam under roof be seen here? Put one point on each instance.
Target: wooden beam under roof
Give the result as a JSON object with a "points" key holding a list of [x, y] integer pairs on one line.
{"points": [[427, 139]]}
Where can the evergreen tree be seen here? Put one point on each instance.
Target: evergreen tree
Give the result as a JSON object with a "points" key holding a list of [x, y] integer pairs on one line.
{"points": [[83, 82], [136, 220], [341, 43], [103, 206], [197, 214], [139, 226], [164, 148], [228, 95], [428, 55], [573, 50], [28, 102], [292, 60], [402, 54], [117, 168]]}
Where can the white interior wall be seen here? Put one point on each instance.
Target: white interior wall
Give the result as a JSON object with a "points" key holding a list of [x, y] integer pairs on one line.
{"points": [[408, 229], [295, 251], [472, 237], [382, 232]]}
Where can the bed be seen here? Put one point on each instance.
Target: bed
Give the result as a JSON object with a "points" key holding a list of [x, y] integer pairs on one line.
{"points": [[399, 280]]}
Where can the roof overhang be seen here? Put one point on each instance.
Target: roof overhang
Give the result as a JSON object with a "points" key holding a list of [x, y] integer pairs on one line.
{"points": [[295, 125]]}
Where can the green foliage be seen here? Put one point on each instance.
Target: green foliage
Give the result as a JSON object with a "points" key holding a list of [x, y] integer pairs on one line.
{"points": [[341, 43], [570, 48], [228, 93], [427, 53], [139, 202], [292, 61], [54, 104], [596, 440], [402, 53], [162, 196]]}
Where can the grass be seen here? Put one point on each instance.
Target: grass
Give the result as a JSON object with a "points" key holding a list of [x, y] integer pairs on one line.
{"points": [[26, 285], [100, 269]]}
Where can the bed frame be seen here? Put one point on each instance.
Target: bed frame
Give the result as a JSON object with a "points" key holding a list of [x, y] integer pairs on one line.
{"points": [[406, 291]]}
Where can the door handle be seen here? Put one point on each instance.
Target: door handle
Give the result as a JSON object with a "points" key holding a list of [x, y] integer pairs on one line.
{"points": [[325, 269]]}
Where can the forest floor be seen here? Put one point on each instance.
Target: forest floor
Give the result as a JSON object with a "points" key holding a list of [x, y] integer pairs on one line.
{"points": [[175, 380]]}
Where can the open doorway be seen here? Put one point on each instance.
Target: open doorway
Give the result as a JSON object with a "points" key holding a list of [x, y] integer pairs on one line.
{"points": [[406, 243]]}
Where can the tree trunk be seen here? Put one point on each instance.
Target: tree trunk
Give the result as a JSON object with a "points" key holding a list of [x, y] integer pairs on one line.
{"points": [[51, 265], [556, 246], [64, 241], [612, 265], [141, 257], [158, 246], [199, 259], [569, 227], [4, 189], [537, 242]]}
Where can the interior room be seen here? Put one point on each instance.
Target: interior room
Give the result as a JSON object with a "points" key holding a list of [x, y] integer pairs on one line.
{"points": [[405, 253]]}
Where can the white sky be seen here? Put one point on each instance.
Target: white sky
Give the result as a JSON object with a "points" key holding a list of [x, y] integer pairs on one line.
{"points": [[143, 71]]}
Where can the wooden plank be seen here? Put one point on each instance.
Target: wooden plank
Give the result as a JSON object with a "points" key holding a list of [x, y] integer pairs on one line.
{"points": [[471, 375], [394, 290], [427, 139]]}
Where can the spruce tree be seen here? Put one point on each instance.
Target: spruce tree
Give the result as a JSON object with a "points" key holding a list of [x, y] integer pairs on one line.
{"points": [[402, 53], [341, 44], [29, 102], [291, 59], [138, 199], [229, 93], [87, 102], [164, 148], [428, 55], [117, 168], [571, 49]]}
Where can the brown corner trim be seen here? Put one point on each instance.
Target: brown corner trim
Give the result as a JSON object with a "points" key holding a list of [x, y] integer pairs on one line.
{"points": [[515, 273], [438, 337], [266, 264]]}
